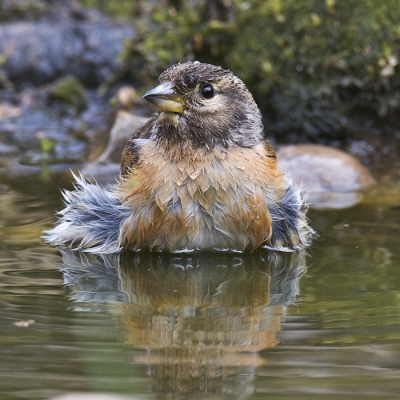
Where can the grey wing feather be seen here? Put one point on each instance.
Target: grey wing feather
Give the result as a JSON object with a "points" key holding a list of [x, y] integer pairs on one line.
{"points": [[131, 152], [91, 220]]}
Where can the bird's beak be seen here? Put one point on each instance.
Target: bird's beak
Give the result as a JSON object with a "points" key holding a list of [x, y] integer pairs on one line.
{"points": [[165, 98]]}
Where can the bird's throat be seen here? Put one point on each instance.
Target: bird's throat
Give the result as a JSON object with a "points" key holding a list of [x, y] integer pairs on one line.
{"points": [[168, 119]]}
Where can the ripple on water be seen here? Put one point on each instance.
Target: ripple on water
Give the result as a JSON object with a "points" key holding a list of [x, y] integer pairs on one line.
{"points": [[322, 325]]}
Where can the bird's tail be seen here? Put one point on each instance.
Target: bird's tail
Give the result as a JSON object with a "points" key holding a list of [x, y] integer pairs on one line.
{"points": [[290, 228], [91, 219]]}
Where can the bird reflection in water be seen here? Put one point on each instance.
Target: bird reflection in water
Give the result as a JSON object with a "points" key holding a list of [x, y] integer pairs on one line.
{"points": [[202, 318]]}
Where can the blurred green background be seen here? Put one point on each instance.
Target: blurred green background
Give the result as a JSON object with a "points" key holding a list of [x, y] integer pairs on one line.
{"points": [[316, 67]]}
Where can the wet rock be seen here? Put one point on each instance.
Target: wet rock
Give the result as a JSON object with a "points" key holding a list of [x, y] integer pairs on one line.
{"points": [[330, 178], [106, 167], [34, 10], [125, 125], [29, 130], [47, 131], [92, 396], [6, 149], [8, 111], [40, 52], [70, 91], [15, 168], [128, 99], [126, 96]]}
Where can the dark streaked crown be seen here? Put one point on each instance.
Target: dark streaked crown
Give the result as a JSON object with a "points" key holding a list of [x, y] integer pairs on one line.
{"points": [[218, 110], [187, 75]]}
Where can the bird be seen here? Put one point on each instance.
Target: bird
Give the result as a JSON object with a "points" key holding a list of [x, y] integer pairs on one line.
{"points": [[199, 175]]}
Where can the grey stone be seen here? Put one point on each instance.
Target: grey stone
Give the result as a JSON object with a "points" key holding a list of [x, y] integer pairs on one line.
{"points": [[330, 178], [40, 52], [106, 167]]}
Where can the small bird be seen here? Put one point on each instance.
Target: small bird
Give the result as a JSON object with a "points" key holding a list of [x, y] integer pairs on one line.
{"points": [[198, 175]]}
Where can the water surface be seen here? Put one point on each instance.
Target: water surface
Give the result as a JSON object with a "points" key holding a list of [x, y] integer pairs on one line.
{"points": [[321, 324]]}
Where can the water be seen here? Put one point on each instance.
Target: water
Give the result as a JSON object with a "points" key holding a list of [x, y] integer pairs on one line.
{"points": [[323, 324]]}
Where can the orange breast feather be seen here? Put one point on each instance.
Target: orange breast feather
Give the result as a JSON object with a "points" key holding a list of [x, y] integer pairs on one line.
{"points": [[207, 200]]}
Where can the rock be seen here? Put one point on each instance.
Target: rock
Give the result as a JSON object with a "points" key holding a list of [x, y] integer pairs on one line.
{"points": [[125, 125], [92, 396], [35, 10], [14, 169], [126, 96], [330, 178], [40, 52], [6, 149], [43, 121], [8, 111], [128, 99], [106, 167]]}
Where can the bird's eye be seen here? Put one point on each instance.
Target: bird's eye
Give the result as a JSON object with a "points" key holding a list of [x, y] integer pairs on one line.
{"points": [[207, 91]]}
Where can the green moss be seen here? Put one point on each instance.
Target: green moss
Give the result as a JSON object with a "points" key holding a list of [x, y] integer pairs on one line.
{"points": [[46, 145], [71, 91], [311, 65], [115, 8]]}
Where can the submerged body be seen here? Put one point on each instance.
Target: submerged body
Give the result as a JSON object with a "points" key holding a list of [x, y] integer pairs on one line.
{"points": [[199, 175]]}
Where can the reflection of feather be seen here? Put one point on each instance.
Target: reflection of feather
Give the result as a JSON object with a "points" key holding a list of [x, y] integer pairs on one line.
{"points": [[201, 317], [92, 278], [201, 276]]}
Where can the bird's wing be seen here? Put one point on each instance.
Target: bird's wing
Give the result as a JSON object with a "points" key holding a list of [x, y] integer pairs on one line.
{"points": [[269, 150], [130, 154]]}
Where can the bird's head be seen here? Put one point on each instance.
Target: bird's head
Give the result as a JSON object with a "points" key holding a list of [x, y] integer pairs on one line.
{"points": [[205, 105]]}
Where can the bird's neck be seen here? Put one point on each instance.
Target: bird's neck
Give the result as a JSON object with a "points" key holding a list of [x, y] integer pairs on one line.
{"points": [[178, 150], [182, 141]]}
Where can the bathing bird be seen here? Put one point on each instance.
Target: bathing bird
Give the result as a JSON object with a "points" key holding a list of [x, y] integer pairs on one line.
{"points": [[198, 175]]}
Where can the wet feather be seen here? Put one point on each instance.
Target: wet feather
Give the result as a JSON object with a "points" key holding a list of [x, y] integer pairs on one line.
{"points": [[204, 178]]}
